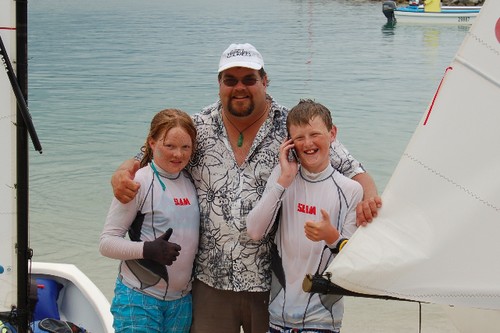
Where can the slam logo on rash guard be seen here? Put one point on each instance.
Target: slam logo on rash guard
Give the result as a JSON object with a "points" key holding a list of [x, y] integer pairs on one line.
{"points": [[306, 209], [182, 202]]}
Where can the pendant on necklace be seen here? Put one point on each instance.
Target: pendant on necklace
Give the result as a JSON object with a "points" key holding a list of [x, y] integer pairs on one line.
{"points": [[240, 140]]}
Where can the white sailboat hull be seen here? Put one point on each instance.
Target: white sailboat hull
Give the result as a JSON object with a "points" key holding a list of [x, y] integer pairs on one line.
{"points": [[80, 301]]}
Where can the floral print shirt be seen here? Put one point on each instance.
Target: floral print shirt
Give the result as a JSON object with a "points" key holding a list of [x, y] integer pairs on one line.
{"points": [[227, 258]]}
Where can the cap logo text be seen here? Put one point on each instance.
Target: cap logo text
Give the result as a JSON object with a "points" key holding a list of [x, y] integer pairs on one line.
{"points": [[239, 53]]}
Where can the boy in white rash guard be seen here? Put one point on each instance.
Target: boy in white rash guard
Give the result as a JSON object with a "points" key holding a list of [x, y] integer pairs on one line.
{"points": [[162, 223], [318, 209]]}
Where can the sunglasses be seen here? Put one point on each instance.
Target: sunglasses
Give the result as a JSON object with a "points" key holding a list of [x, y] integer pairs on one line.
{"points": [[247, 81]]}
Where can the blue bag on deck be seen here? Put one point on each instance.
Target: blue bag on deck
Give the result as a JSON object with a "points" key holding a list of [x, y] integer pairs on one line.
{"points": [[48, 293]]}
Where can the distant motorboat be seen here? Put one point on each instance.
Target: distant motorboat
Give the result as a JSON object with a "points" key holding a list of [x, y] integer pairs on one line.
{"points": [[461, 15]]}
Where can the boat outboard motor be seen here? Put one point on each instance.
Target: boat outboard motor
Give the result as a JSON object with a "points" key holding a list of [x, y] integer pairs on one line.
{"points": [[388, 8]]}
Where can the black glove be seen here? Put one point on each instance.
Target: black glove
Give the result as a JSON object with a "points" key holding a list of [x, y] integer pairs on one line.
{"points": [[161, 250]]}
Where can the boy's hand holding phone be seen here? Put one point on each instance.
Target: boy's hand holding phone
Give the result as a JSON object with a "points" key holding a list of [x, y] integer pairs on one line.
{"points": [[288, 163]]}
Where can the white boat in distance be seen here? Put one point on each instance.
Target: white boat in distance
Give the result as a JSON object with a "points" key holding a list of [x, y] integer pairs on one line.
{"points": [[458, 15], [435, 239], [64, 292]]}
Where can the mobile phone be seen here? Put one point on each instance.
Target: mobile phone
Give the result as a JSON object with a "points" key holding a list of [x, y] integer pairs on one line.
{"points": [[292, 154]]}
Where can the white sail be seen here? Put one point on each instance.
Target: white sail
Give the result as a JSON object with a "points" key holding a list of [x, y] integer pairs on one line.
{"points": [[437, 236], [8, 276]]}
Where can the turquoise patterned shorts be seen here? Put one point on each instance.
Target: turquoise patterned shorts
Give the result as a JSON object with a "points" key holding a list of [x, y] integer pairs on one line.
{"points": [[136, 312]]}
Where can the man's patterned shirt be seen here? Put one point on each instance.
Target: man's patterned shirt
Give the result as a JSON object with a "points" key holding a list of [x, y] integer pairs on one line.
{"points": [[227, 258]]}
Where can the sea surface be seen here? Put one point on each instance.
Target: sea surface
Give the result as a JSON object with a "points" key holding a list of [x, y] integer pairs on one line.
{"points": [[99, 70]]}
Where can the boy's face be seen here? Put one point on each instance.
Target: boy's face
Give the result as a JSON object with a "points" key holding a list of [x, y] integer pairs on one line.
{"points": [[312, 144]]}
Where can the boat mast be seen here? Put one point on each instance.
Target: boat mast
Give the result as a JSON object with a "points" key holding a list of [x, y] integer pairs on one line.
{"points": [[23, 251]]}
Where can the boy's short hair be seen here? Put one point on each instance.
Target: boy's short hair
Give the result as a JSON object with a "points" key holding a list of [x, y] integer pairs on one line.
{"points": [[307, 109]]}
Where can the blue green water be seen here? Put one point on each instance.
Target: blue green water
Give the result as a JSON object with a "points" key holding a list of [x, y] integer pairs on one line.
{"points": [[99, 70]]}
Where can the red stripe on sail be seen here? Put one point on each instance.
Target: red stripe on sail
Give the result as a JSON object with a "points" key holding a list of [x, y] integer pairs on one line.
{"points": [[435, 95], [497, 30]]}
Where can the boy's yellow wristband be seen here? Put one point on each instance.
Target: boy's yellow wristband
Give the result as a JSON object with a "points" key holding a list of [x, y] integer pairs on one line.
{"points": [[341, 244]]}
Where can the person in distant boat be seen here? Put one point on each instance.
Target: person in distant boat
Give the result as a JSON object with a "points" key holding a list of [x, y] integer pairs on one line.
{"points": [[433, 6], [162, 223], [314, 207], [237, 147]]}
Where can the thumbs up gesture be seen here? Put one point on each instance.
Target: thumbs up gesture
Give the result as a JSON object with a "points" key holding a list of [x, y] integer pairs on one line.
{"points": [[161, 250], [321, 230]]}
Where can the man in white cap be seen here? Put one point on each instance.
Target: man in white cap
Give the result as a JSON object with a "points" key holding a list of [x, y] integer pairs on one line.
{"points": [[237, 148]]}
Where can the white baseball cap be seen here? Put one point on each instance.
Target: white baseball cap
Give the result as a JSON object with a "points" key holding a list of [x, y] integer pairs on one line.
{"points": [[241, 55]]}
